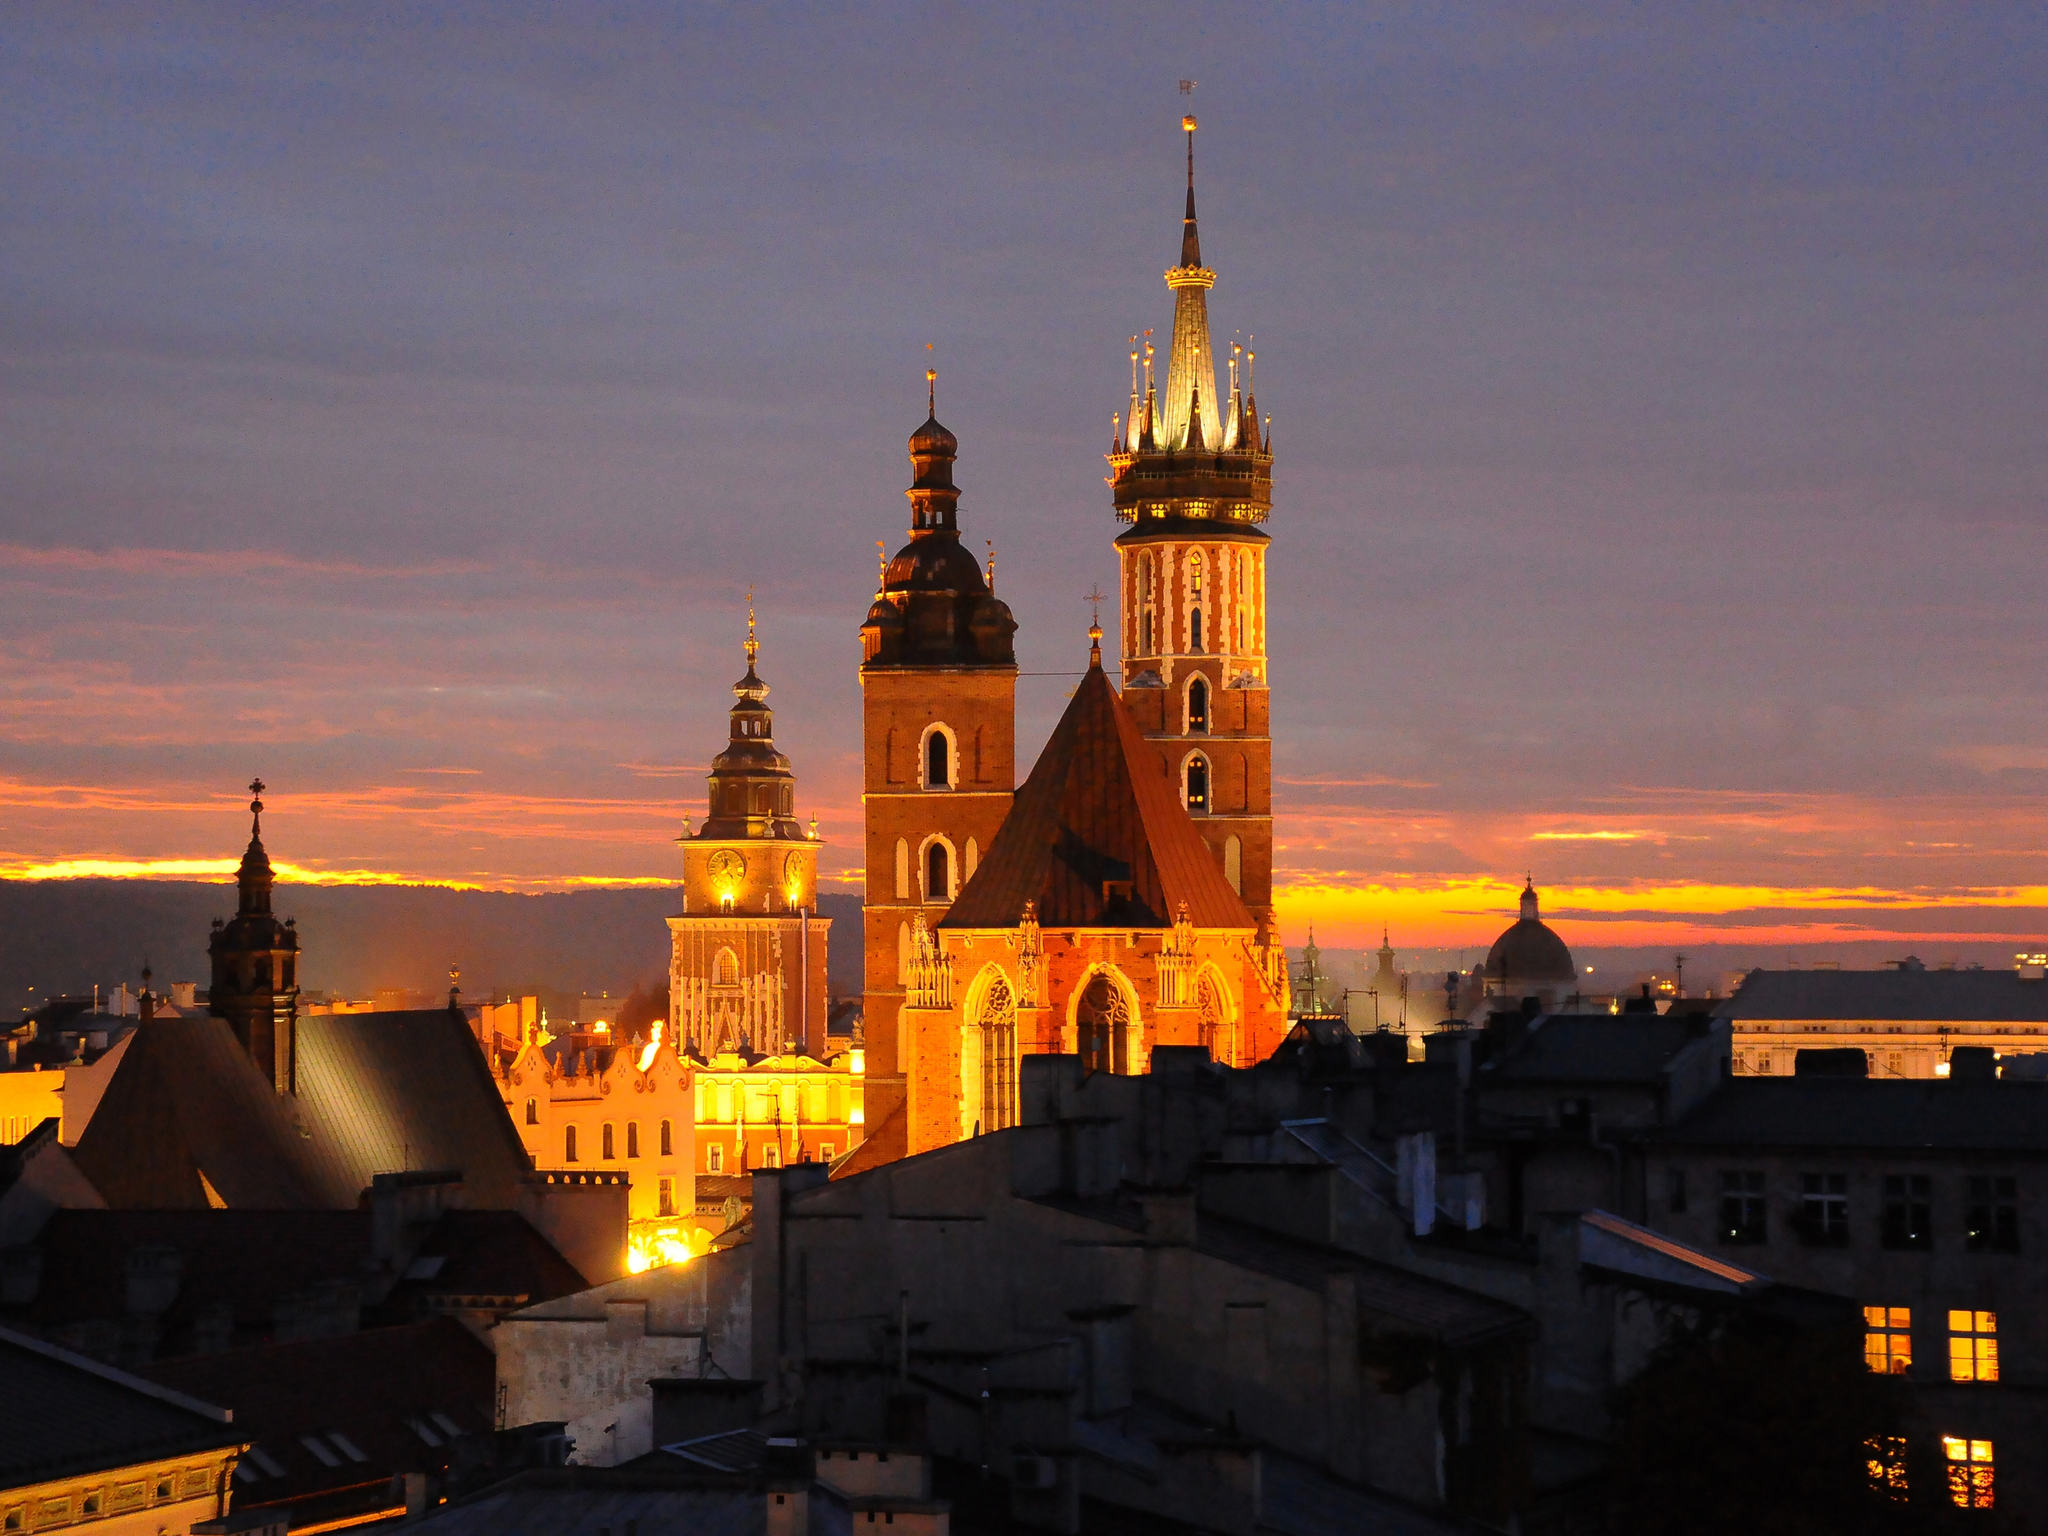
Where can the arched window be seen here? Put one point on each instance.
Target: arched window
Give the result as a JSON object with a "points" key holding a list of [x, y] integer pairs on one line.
{"points": [[1195, 630], [1214, 1016], [533, 1112], [1233, 863], [1195, 573], [938, 872], [569, 1144], [903, 951], [668, 1139], [1101, 1022], [609, 1150], [902, 870], [973, 858], [938, 758], [714, 1160], [1144, 604], [725, 969], [998, 1031], [1240, 629], [1145, 633], [1198, 784], [632, 1138], [1198, 708]]}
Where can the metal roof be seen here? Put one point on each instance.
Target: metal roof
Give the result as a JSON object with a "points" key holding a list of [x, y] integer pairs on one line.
{"points": [[1919, 996]]}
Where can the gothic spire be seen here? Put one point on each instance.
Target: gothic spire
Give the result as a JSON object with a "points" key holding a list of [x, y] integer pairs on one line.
{"points": [[1190, 367]]}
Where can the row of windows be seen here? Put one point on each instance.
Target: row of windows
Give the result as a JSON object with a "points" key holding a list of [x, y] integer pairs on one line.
{"points": [[607, 1139], [771, 1156], [1987, 1221], [1196, 576], [1968, 1465], [1972, 1342]]}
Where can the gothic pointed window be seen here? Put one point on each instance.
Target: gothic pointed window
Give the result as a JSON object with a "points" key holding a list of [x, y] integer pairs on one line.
{"points": [[725, 970], [1217, 1034], [533, 1112], [998, 1027], [1198, 784], [1195, 630], [1102, 1022], [1195, 573], [938, 759], [1198, 708], [938, 872]]}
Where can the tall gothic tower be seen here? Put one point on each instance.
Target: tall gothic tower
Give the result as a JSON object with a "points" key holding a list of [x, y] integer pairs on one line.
{"points": [[255, 985], [1192, 472], [747, 953], [938, 682]]}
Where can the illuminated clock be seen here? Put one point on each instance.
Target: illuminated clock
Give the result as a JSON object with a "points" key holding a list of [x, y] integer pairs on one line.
{"points": [[727, 866], [793, 872]]}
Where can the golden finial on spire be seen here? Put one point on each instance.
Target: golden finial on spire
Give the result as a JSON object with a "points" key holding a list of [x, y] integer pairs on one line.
{"points": [[753, 645], [991, 543], [1094, 595], [931, 386], [881, 566]]}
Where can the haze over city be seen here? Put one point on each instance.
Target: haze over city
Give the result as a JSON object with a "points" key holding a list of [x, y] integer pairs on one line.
{"points": [[401, 403]]}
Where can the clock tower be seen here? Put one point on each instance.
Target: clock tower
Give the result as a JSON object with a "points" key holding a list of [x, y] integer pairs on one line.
{"points": [[747, 952]]}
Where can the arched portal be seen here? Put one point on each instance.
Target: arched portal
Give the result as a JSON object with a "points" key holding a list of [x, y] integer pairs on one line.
{"points": [[1104, 1026], [1216, 1016]]}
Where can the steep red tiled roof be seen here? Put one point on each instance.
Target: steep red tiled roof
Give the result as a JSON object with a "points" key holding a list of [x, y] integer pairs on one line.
{"points": [[1099, 814]]}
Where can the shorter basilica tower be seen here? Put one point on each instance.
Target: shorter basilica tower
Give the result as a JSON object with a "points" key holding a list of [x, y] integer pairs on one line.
{"points": [[938, 682], [255, 984], [747, 956]]}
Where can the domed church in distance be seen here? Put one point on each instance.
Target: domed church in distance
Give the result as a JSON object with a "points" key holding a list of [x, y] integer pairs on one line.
{"points": [[1529, 960]]}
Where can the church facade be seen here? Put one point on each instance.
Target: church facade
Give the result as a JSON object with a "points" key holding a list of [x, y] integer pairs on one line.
{"points": [[1121, 899]]}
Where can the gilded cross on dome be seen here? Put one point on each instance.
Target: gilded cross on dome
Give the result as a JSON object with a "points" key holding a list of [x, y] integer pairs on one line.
{"points": [[753, 645]]}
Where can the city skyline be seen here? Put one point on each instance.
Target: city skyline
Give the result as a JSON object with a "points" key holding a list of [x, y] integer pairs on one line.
{"points": [[1655, 453]]}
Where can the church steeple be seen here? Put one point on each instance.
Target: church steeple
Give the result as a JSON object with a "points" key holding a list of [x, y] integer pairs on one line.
{"points": [[1189, 418], [255, 983]]}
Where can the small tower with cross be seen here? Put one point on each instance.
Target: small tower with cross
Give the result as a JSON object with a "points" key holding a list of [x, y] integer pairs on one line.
{"points": [[255, 964]]}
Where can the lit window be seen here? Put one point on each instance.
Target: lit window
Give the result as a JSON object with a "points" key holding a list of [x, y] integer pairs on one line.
{"points": [[1198, 707], [1888, 1339], [1742, 1208], [1195, 574], [1198, 784], [1973, 1346], [725, 969], [533, 1112], [714, 1159], [1992, 1220], [1887, 1463], [1907, 1205], [1824, 1209], [1969, 1472]]}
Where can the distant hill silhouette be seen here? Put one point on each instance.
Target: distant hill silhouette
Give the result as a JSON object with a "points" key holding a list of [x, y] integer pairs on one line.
{"points": [[65, 935]]}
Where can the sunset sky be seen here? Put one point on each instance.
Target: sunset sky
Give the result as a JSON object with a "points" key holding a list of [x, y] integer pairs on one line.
{"points": [[397, 403]]}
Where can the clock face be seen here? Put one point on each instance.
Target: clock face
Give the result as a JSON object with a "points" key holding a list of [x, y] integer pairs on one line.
{"points": [[727, 866], [793, 871]]}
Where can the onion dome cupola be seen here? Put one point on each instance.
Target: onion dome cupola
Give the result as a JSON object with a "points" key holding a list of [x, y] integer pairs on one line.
{"points": [[255, 963], [935, 605], [753, 788]]}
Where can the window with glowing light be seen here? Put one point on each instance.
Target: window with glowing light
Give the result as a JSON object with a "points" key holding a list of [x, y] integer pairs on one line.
{"points": [[1971, 1468], [1888, 1339], [1991, 1220], [1908, 1211], [533, 1112], [1972, 1346], [1198, 708], [1198, 784], [1195, 573], [725, 969]]}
